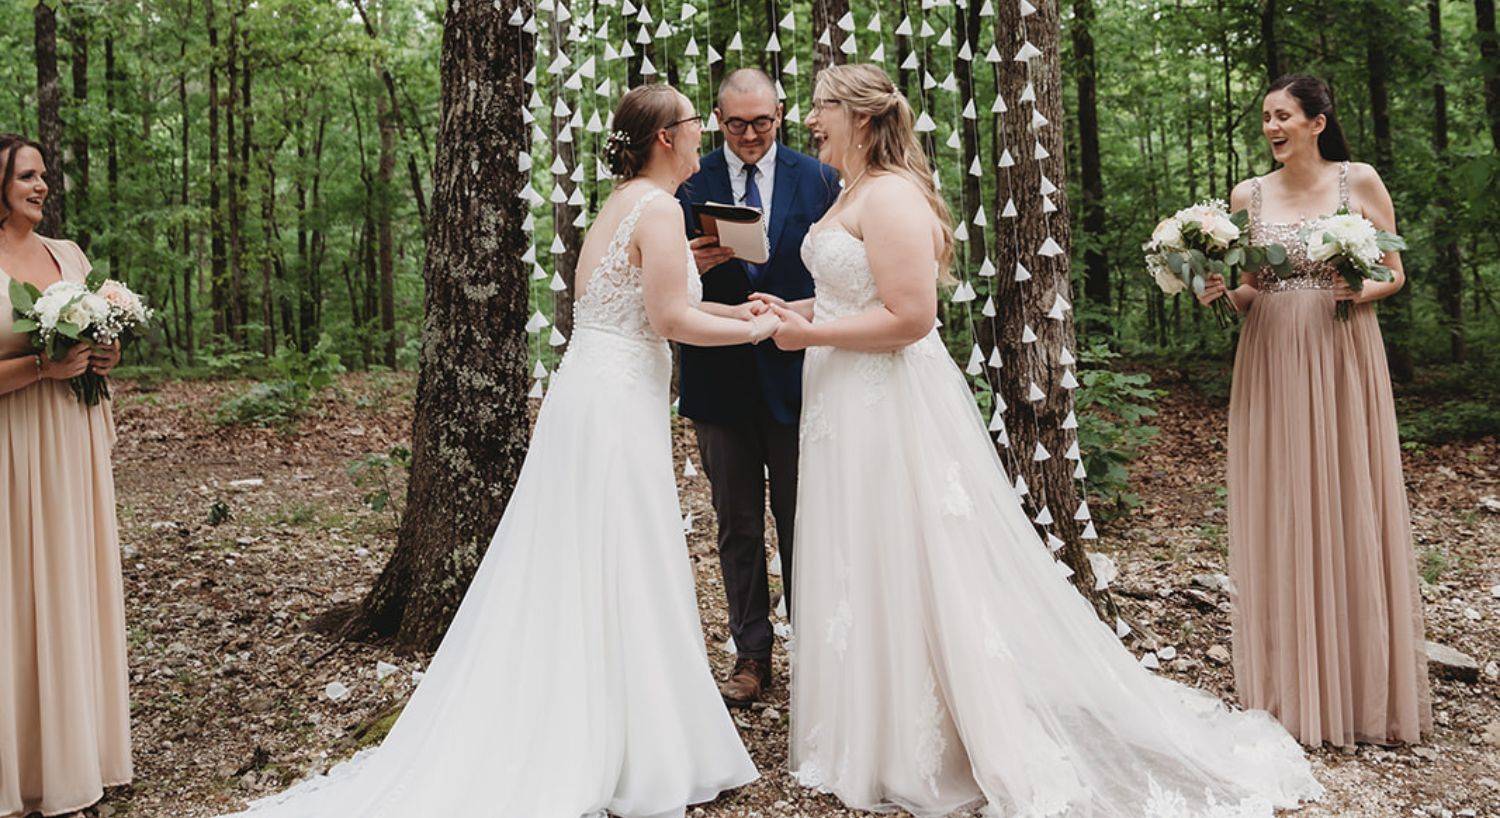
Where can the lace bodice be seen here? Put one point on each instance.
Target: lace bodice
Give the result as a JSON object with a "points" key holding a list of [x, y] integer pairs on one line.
{"points": [[841, 273], [1306, 273], [615, 301]]}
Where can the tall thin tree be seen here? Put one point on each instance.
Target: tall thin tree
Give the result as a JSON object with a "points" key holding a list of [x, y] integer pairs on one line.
{"points": [[49, 115]]}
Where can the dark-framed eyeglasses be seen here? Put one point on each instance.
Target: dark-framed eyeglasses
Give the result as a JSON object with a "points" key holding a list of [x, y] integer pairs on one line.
{"points": [[761, 124], [694, 118]]}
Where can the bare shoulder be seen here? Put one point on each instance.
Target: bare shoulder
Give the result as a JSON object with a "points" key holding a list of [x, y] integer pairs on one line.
{"points": [[1242, 193], [892, 187], [1364, 176], [660, 215]]}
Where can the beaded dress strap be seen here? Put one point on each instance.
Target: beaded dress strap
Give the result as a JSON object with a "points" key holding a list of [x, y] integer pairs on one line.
{"points": [[1255, 199], [1343, 185]]}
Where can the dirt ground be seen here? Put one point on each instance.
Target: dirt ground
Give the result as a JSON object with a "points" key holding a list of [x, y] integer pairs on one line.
{"points": [[236, 538]]}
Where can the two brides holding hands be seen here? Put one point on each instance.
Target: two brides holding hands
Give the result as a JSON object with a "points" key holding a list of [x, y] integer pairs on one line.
{"points": [[941, 662]]}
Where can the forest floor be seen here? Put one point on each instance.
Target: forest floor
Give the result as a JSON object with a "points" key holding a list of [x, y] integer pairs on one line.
{"points": [[237, 537]]}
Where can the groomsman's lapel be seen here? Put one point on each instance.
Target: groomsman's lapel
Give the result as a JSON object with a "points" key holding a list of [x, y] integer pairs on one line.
{"points": [[781, 198]]}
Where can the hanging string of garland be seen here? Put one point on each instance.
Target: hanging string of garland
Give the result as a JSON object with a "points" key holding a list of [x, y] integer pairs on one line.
{"points": [[596, 54]]}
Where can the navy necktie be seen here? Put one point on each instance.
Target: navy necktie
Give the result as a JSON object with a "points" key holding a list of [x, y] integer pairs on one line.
{"points": [[752, 199]]}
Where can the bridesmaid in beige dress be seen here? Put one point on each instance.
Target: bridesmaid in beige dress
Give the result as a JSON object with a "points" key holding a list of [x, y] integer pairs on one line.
{"points": [[1327, 618], [64, 714]]}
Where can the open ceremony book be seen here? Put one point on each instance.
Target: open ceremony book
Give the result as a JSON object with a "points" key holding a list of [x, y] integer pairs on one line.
{"points": [[741, 229]]}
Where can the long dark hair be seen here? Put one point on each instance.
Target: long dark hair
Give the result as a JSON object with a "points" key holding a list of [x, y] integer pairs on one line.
{"points": [[1315, 97], [10, 144]]}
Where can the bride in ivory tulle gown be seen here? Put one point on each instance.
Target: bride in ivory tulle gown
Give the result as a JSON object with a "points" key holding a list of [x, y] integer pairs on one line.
{"points": [[941, 661], [574, 678]]}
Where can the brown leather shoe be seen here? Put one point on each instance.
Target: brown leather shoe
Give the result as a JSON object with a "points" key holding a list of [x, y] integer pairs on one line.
{"points": [[750, 678]]}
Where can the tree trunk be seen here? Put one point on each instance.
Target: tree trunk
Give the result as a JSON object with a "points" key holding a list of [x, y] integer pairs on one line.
{"points": [[267, 268], [218, 264], [78, 165], [1026, 303], [112, 145], [49, 117], [246, 145], [1396, 309], [234, 298], [1489, 61], [1091, 176], [1445, 238], [186, 335], [472, 419], [384, 205], [1269, 41]]}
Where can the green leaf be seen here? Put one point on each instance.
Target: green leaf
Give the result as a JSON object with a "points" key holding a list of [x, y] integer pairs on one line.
{"points": [[1275, 254], [21, 296], [23, 325], [69, 330], [95, 280], [1235, 256]]}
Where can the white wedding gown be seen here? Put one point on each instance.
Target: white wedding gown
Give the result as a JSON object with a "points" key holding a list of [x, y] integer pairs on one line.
{"points": [[942, 662], [574, 678]]}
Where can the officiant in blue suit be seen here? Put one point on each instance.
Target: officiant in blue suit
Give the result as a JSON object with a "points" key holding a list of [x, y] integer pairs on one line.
{"points": [[745, 401]]}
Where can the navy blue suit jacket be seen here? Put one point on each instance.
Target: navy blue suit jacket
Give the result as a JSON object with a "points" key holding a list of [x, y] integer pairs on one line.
{"points": [[733, 384]]}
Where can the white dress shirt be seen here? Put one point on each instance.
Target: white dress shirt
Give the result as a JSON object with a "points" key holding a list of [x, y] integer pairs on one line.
{"points": [[765, 177]]}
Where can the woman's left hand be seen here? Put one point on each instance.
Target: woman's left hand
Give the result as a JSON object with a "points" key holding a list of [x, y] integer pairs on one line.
{"points": [[103, 358], [795, 332]]}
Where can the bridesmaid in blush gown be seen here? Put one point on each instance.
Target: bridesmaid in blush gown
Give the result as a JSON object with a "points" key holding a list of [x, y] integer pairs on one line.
{"points": [[64, 710], [1327, 618]]}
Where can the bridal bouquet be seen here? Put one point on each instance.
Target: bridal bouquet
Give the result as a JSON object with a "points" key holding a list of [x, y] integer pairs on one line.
{"points": [[1354, 247], [99, 311], [1195, 242]]}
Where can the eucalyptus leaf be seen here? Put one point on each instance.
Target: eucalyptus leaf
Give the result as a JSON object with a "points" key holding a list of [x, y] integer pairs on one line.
{"points": [[21, 297]]}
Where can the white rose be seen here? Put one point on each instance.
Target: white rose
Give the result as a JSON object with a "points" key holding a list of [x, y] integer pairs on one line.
{"points": [[1165, 278], [1219, 229], [1167, 234], [1319, 247], [87, 311], [49, 308]]}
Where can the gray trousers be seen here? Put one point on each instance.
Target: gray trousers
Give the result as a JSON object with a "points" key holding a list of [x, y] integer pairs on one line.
{"points": [[737, 459]]}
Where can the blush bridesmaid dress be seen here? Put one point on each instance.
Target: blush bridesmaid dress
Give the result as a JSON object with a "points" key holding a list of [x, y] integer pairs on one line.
{"points": [[64, 709], [1327, 615]]}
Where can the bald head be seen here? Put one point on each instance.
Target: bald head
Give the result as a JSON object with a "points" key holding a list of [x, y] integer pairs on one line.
{"points": [[743, 81]]}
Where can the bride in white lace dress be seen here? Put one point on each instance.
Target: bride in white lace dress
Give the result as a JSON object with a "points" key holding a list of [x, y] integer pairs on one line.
{"points": [[941, 660], [574, 678]]}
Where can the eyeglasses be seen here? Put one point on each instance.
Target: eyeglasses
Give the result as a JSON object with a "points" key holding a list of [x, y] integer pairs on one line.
{"points": [[761, 124], [694, 118]]}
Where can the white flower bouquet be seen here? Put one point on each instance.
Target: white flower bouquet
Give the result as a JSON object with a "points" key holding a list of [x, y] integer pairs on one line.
{"points": [[1198, 241], [99, 311], [1354, 246]]}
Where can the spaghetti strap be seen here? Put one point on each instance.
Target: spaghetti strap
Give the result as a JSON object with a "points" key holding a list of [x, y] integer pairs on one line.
{"points": [[1255, 199], [1344, 185]]}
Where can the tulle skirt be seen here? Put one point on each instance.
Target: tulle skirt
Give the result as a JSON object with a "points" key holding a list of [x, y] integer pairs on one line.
{"points": [[574, 678], [943, 661], [1327, 617]]}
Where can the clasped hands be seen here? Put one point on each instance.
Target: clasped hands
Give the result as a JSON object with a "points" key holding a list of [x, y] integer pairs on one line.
{"points": [[80, 358], [770, 317]]}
